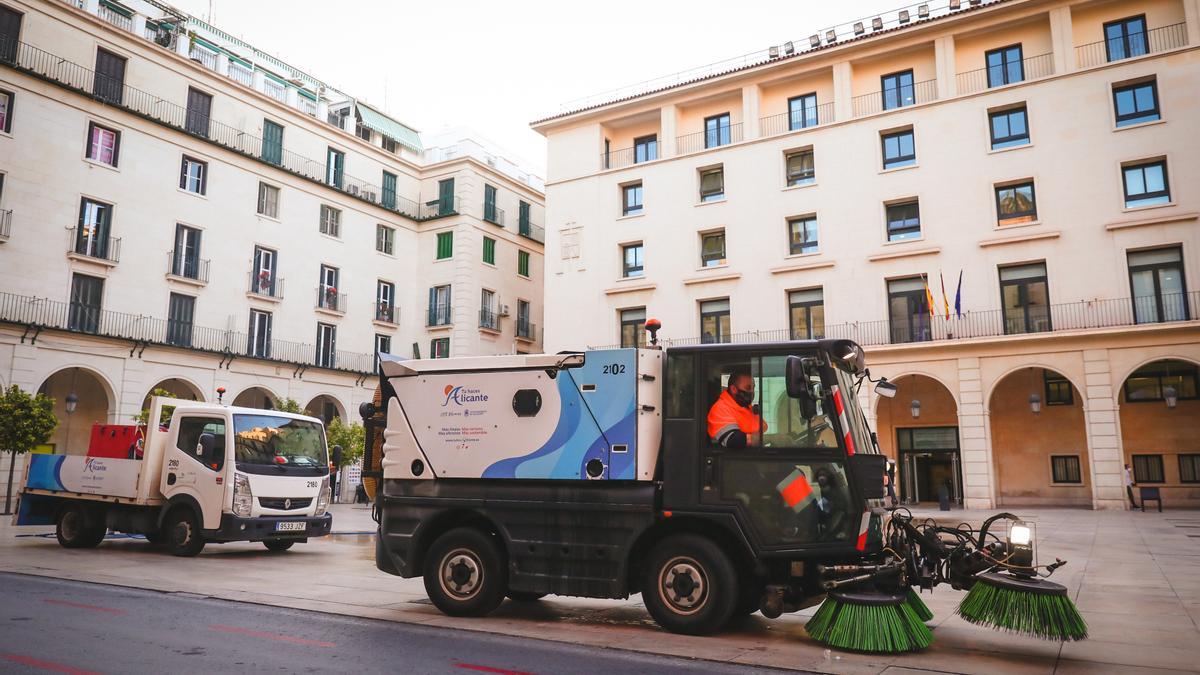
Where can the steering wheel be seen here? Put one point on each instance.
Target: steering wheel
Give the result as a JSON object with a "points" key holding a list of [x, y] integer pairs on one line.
{"points": [[812, 434]]}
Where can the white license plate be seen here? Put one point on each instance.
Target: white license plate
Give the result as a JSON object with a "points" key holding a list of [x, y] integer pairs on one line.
{"points": [[290, 527]]}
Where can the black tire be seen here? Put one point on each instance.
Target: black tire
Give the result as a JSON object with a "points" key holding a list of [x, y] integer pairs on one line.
{"points": [[465, 574], [278, 544], [525, 596], [80, 526], [690, 585], [181, 532], [750, 600]]}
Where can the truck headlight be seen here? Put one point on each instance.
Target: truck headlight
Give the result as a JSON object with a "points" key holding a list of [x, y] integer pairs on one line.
{"points": [[243, 499], [323, 497]]}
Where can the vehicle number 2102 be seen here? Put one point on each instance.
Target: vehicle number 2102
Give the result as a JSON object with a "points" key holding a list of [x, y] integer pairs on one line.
{"points": [[614, 369]]}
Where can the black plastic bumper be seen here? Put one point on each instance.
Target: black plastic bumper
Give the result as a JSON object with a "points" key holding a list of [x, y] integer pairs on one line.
{"points": [[234, 528]]}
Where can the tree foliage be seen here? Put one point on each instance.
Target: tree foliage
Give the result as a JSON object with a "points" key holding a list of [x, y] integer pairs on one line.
{"points": [[351, 437], [25, 421], [289, 405], [164, 417]]}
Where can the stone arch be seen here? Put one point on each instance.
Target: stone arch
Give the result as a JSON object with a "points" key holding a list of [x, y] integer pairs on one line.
{"points": [[180, 387], [256, 396], [923, 373], [97, 404], [319, 406], [926, 448], [1120, 383], [1158, 441], [987, 396]]}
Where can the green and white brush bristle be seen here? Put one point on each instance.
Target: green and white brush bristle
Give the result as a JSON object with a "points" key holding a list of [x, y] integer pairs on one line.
{"points": [[1032, 607], [917, 604], [869, 622]]}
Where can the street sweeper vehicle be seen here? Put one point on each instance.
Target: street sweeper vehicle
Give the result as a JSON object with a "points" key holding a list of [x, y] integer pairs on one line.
{"points": [[212, 473], [618, 471]]}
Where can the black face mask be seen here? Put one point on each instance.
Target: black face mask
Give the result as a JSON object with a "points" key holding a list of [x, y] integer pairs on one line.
{"points": [[743, 398]]}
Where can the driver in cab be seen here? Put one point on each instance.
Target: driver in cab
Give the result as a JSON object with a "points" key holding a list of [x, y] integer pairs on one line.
{"points": [[732, 420]]}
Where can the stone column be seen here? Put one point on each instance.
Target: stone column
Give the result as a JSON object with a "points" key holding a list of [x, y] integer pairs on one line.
{"points": [[91, 7], [1062, 40], [843, 91], [1105, 451], [322, 109], [183, 45], [137, 25], [667, 133], [259, 80], [293, 97], [1191, 14], [223, 64], [133, 388], [943, 59], [750, 96], [974, 438]]}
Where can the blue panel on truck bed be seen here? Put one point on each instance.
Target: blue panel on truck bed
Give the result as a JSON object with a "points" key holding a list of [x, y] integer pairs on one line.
{"points": [[597, 420]]}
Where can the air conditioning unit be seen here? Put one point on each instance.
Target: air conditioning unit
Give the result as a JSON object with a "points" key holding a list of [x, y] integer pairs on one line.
{"points": [[369, 196], [354, 190], [503, 310]]}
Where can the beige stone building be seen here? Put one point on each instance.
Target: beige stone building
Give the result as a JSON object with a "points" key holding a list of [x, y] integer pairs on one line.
{"points": [[181, 210], [1045, 152]]}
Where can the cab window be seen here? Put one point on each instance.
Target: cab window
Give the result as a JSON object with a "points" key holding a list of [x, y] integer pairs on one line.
{"points": [[765, 415], [791, 501], [190, 430]]}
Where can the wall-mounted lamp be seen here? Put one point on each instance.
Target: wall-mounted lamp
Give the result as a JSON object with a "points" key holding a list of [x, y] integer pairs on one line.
{"points": [[1171, 396], [915, 408], [1035, 403], [73, 401]]}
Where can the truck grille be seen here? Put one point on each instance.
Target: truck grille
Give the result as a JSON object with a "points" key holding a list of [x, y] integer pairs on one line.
{"points": [[278, 503]]}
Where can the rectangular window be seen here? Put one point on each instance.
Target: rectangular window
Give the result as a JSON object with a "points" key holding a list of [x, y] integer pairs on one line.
{"points": [[1158, 287], [1009, 128], [86, 293], [180, 311], [1058, 389], [327, 289], [716, 131], [645, 148], [10, 33], [1065, 469], [1146, 184], [260, 334], [268, 200], [714, 321], [524, 325], [633, 327], [523, 263], [335, 165], [802, 235], [1189, 468], [802, 112], [446, 197], [523, 216], [331, 221], [897, 89], [712, 184], [631, 199], [439, 348], [389, 144], [104, 144], [263, 280], [389, 190], [631, 261], [1016, 204], [489, 250], [806, 314], [908, 310], [489, 204], [1151, 382], [199, 110], [193, 175], [326, 345], [1025, 296], [1148, 469], [1125, 38], [903, 221], [445, 245], [385, 301], [92, 235], [185, 259], [385, 239], [1004, 66], [362, 132], [272, 143], [801, 169], [1136, 103], [487, 310], [109, 82], [439, 306], [383, 345], [899, 149], [6, 110], [712, 249]]}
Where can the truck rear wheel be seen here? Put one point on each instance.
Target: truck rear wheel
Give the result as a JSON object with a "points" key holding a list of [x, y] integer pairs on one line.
{"points": [[690, 585], [465, 573], [182, 531], [79, 526]]}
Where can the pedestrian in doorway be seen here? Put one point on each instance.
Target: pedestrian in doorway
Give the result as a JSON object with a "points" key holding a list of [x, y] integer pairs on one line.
{"points": [[891, 482], [1129, 487]]}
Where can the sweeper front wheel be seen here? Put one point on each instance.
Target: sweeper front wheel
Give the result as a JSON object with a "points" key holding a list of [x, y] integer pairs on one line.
{"points": [[690, 585]]}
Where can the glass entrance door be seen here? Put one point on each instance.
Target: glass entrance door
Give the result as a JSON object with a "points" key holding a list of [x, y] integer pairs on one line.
{"points": [[929, 460]]}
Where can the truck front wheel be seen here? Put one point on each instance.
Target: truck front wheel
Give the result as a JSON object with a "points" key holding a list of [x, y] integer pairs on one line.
{"points": [[278, 544], [80, 527], [182, 532], [465, 573], [690, 585]]}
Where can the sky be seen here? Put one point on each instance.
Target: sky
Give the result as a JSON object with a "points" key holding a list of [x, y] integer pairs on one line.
{"points": [[493, 66]]}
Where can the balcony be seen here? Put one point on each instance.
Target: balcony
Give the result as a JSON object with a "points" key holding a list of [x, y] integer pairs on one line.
{"points": [[5, 224], [185, 269], [266, 285], [705, 140], [1032, 68], [241, 74], [330, 300], [891, 99], [493, 214], [121, 18], [1152, 41], [530, 231], [618, 159], [797, 120], [439, 208], [438, 315], [85, 244], [526, 330], [77, 317], [385, 312], [489, 320], [203, 56]]}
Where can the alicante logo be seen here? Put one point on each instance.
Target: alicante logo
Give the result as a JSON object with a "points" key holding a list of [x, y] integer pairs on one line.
{"points": [[90, 465], [461, 395]]}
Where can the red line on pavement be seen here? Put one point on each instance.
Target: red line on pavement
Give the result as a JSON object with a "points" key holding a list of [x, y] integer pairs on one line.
{"points": [[46, 665], [80, 605], [489, 669], [271, 636]]}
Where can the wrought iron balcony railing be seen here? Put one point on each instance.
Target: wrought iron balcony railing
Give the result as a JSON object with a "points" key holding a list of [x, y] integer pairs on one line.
{"points": [[1032, 68], [488, 319], [531, 231], [891, 99], [185, 267], [712, 138], [617, 159], [86, 243], [385, 312], [1152, 41], [439, 315], [526, 330], [329, 298], [266, 284], [493, 214], [5, 224], [796, 120]]}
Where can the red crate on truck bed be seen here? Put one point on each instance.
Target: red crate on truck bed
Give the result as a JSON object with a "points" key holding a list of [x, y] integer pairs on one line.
{"points": [[114, 441]]}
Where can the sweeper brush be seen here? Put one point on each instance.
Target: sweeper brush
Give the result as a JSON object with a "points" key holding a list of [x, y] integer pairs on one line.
{"points": [[1028, 606], [917, 605], [865, 621]]}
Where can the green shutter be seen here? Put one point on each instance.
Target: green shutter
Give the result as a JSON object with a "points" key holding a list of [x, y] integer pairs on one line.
{"points": [[389, 190], [446, 197], [489, 250], [523, 263], [445, 245], [272, 145]]}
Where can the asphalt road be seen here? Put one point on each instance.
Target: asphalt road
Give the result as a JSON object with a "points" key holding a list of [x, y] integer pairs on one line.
{"points": [[49, 625]]}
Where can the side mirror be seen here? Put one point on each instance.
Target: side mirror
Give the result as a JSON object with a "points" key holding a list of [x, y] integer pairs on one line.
{"points": [[337, 455], [797, 381], [885, 389], [205, 445]]}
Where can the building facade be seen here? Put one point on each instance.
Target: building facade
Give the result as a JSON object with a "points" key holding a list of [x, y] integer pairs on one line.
{"points": [[998, 199], [179, 210]]}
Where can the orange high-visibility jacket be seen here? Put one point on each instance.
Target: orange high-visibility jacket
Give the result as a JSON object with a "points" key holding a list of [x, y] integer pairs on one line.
{"points": [[726, 417]]}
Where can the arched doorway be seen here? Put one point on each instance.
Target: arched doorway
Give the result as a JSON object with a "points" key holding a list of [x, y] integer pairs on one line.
{"points": [[918, 429], [325, 407], [1160, 424], [256, 397], [1039, 440], [177, 388], [92, 404]]}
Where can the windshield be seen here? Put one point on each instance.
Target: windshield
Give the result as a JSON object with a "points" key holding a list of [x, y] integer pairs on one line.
{"points": [[273, 444], [854, 414]]}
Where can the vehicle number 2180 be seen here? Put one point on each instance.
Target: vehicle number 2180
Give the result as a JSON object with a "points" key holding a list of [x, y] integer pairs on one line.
{"points": [[614, 369]]}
